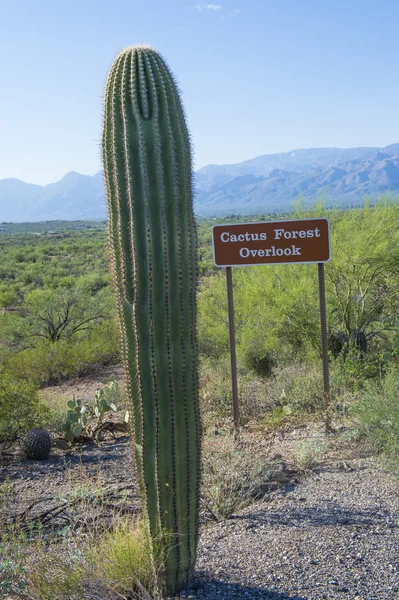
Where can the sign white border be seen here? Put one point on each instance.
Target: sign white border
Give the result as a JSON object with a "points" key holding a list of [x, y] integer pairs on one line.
{"points": [[265, 264]]}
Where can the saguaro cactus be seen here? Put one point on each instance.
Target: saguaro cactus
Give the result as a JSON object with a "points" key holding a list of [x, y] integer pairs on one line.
{"points": [[152, 235]]}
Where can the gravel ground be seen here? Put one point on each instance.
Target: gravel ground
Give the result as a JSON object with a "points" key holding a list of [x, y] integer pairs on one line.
{"points": [[335, 535], [331, 534]]}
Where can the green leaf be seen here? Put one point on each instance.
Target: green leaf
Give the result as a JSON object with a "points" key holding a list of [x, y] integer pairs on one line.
{"points": [[71, 404]]}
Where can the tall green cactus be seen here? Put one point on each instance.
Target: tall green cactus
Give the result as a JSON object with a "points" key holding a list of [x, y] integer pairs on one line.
{"points": [[153, 247]]}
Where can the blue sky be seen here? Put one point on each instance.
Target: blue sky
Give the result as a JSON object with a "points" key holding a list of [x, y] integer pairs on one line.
{"points": [[257, 76]]}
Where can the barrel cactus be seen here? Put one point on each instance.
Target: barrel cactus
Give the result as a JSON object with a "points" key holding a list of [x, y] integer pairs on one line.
{"points": [[153, 255], [37, 444]]}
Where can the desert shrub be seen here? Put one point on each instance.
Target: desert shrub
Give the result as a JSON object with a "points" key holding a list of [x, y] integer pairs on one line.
{"points": [[213, 332], [231, 477], [362, 278], [354, 368], [20, 408], [50, 362], [8, 298], [55, 575], [275, 316], [13, 553], [63, 313], [309, 453], [292, 390], [377, 413], [259, 359], [100, 347], [39, 568], [215, 388]]}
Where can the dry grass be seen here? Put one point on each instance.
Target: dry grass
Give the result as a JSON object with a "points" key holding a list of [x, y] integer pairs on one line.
{"points": [[231, 475], [101, 554], [309, 454], [115, 564], [124, 563]]}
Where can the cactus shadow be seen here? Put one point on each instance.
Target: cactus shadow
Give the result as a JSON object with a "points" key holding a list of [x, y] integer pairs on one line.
{"points": [[204, 587], [315, 517]]}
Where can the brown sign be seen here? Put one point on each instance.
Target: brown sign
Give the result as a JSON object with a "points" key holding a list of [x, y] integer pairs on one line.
{"points": [[273, 242]]}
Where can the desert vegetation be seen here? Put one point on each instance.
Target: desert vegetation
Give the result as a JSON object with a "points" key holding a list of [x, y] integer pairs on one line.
{"points": [[58, 327]]}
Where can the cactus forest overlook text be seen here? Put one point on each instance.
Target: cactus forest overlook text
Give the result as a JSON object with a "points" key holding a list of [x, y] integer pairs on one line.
{"points": [[302, 241]]}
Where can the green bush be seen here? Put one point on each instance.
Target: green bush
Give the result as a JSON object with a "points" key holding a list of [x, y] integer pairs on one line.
{"points": [[20, 408], [356, 368], [8, 299], [213, 332], [378, 413], [260, 360], [50, 362], [276, 316]]}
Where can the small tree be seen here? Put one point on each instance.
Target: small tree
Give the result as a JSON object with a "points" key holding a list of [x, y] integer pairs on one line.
{"points": [[61, 314], [363, 276]]}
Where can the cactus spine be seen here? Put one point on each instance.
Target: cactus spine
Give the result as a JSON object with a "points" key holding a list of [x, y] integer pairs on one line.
{"points": [[152, 235]]}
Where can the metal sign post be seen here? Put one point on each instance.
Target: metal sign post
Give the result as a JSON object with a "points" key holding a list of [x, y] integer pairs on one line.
{"points": [[232, 336], [303, 241], [324, 345]]}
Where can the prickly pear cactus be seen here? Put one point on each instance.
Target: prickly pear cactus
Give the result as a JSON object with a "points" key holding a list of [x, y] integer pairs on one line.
{"points": [[152, 235], [37, 444]]}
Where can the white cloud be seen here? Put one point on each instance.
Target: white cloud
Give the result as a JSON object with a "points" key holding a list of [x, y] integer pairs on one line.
{"points": [[235, 13], [213, 7]]}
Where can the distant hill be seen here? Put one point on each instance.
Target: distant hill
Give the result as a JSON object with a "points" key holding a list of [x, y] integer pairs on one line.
{"points": [[15, 197], [267, 183], [299, 161], [344, 184]]}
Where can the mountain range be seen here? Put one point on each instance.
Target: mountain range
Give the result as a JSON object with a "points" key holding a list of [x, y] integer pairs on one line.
{"points": [[268, 183]]}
